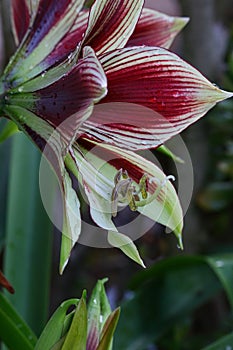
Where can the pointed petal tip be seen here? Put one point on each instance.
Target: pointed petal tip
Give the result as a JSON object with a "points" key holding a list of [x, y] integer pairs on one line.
{"points": [[181, 22], [63, 266], [221, 95], [143, 265], [180, 241], [227, 94]]}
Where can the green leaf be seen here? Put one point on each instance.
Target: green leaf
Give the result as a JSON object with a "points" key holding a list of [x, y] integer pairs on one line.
{"points": [[224, 343], [71, 213], [164, 295], [108, 331], [77, 334], [55, 327], [28, 249], [4, 177], [14, 332], [8, 130], [222, 265], [126, 245]]}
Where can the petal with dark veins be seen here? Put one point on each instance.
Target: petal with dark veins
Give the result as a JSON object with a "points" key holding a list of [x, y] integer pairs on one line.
{"points": [[111, 23], [156, 29], [170, 95], [83, 86], [52, 21]]}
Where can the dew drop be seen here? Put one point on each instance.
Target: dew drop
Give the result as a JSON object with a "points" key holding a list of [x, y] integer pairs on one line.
{"points": [[95, 301], [176, 94], [219, 263], [101, 318], [20, 89], [70, 58]]}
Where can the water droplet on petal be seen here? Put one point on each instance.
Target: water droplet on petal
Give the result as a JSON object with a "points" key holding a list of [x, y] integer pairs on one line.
{"points": [[176, 94]]}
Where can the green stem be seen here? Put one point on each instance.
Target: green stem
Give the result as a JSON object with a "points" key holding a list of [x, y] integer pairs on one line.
{"points": [[29, 239]]}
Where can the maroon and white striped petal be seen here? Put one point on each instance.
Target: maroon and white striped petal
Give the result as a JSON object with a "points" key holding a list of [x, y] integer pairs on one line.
{"points": [[83, 86], [20, 18], [52, 21], [49, 14], [111, 23], [156, 29], [170, 95], [69, 43]]}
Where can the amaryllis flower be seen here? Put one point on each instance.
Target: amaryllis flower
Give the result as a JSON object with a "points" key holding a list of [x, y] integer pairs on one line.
{"points": [[95, 86]]}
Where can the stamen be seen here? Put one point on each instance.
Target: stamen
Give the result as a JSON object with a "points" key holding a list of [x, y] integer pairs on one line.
{"points": [[131, 199], [125, 174], [160, 185], [142, 185], [120, 192], [125, 193]]}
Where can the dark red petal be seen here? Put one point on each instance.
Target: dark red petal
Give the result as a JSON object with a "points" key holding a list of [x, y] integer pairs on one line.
{"points": [[170, 95], [84, 84], [20, 17], [156, 29], [111, 23]]}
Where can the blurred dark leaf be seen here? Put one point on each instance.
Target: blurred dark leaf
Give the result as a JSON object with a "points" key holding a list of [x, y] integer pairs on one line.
{"points": [[224, 270], [216, 196], [224, 343], [164, 295]]}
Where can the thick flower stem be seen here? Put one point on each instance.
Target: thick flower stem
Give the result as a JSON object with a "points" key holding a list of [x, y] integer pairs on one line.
{"points": [[29, 240]]}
